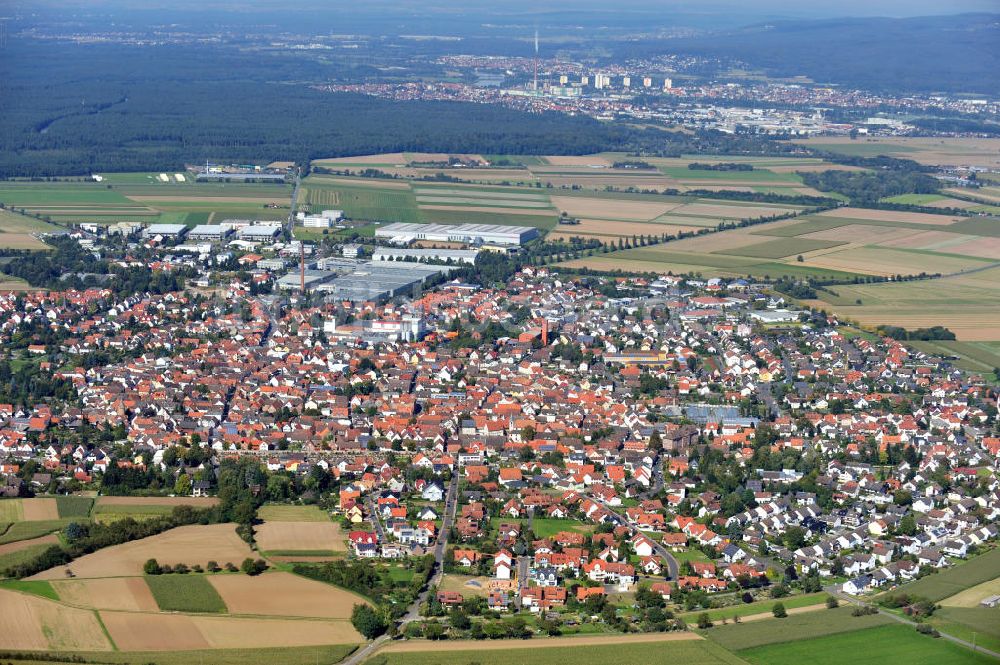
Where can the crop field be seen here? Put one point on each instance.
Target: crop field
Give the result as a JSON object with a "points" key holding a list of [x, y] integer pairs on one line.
{"points": [[130, 594], [32, 623], [933, 151], [283, 594], [23, 551], [680, 648], [738, 636], [186, 544], [968, 304], [883, 645], [74, 506], [972, 596], [276, 512], [185, 593], [950, 581], [289, 537], [981, 624], [28, 530], [971, 356]]}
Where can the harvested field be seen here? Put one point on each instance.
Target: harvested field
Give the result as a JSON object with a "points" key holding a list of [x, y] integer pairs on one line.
{"points": [[781, 247], [40, 509], [857, 233], [577, 160], [186, 544], [890, 216], [383, 158], [925, 150], [972, 596], [304, 536], [578, 206], [599, 181], [376, 183], [30, 622], [284, 594], [885, 261], [20, 241], [197, 502], [178, 632], [277, 512], [488, 209], [737, 211], [500, 203], [111, 593]]}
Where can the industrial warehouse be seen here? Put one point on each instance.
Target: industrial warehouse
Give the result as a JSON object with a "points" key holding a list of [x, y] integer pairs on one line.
{"points": [[473, 234], [374, 280]]}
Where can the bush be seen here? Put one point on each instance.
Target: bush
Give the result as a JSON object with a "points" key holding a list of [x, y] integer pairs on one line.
{"points": [[151, 567], [212, 567], [253, 566], [231, 567], [832, 603], [704, 621], [924, 629], [779, 611]]}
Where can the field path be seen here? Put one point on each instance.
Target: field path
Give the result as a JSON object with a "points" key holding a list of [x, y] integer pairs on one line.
{"points": [[537, 643]]}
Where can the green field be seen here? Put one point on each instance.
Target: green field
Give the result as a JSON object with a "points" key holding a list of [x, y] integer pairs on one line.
{"points": [[757, 175], [545, 527], [759, 607], [678, 653], [883, 645], [74, 506], [41, 588], [737, 636], [104, 511], [21, 556], [29, 530], [10, 510], [779, 249], [972, 356], [185, 593], [276, 512], [861, 148], [364, 203], [915, 199], [949, 581]]}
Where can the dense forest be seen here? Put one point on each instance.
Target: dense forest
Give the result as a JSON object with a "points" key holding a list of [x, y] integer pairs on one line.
{"points": [[76, 109]]}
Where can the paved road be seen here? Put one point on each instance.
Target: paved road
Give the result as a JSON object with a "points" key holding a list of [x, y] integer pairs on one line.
{"points": [[523, 562], [413, 612], [673, 568], [376, 518], [836, 591]]}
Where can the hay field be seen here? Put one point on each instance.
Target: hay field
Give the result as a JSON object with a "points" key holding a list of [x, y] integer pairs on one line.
{"points": [[33, 623], [889, 216], [972, 596], [179, 632], [612, 209], [578, 160], [284, 594], [386, 159], [277, 512], [109, 593], [186, 544], [39, 509], [300, 536]]}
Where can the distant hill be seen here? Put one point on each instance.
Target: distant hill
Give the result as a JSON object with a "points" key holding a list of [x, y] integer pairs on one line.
{"points": [[959, 53]]}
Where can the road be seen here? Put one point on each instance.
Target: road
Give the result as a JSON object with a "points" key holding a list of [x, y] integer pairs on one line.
{"points": [[524, 561], [673, 568], [836, 591], [413, 612], [376, 518]]}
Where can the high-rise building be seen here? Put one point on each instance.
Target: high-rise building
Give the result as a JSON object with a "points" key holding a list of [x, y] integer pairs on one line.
{"points": [[667, 84], [584, 80], [563, 80], [647, 82], [626, 82]]}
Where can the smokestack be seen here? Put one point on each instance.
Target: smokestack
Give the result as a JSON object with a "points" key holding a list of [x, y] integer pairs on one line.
{"points": [[302, 266]]}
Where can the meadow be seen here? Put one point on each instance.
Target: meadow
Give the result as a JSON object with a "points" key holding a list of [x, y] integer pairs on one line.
{"points": [[185, 593], [882, 645], [950, 581], [739, 636], [758, 607]]}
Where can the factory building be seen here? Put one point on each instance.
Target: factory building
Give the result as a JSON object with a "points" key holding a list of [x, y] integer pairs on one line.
{"points": [[210, 232], [323, 220], [418, 254], [165, 231], [473, 234], [262, 233]]}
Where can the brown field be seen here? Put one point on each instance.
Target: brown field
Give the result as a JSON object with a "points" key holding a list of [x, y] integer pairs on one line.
{"points": [[20, 241], [813, 168], [465, 175], [972, 596], [610, 262], [300, 536], [890, 216], [197, 502], [460, 583], [186, 544], [602, 228], [982, 194], [612, 208], [30, 622], [19, 545], [39, 509], [129, 594], [951, 203], [284, 594], [411, 646], [16, 285], [178, 632], [384, 158], [859, 233], [377, 183], [577, 160], [730, 211], [886, 261], [601, 180], [441, 156]]}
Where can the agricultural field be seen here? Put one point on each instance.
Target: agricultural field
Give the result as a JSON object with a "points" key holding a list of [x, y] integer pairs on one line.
{"points": [[762, 607], [282, 594], [142, 197], [186, 544], [185, 593], [32, 623], [932, 151], [967, 304], [298, 531], [130, 594], [948, 582], [16, 231], [883, 645], [971, 356], [546, 527], [680, 648], [806, 625]]}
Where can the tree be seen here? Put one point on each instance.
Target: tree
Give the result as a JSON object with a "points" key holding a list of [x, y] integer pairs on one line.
{"points": [[832, 602], [183, 485], [908, 525], [253, 566], [434, 631], [703, 621], [369, 622], [151, 567], [459, 619], [779, 611]]}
